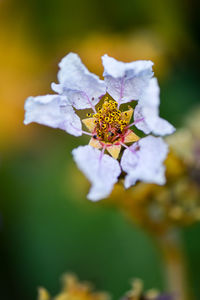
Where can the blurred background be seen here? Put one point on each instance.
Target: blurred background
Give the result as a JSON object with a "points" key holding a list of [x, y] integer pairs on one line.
{"points": [[47, 226]]}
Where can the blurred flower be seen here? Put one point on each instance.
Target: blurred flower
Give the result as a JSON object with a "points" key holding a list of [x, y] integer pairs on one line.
{"points": [[186, 147], [72, 289], [109, 126], [136, 293], [186, 142]]}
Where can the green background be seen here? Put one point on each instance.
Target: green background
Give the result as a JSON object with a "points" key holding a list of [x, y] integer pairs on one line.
{"points": [[47, 226]]}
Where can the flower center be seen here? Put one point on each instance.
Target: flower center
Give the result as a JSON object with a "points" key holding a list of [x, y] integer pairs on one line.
{"points": [[110, 122]]}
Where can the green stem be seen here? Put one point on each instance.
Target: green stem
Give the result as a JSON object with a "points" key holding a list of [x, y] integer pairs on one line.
{"points": [[174, 263]]}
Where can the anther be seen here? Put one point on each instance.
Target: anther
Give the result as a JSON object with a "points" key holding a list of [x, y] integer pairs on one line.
{"points": [[110, 133], [107, 119]]}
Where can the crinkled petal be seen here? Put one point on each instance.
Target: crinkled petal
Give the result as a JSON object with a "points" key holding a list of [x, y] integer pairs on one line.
{"points": [[151, 95], [102, 172], [126, 81], [144, 161], [53, 111], [139, 116], [148, 110], [81, 87]]}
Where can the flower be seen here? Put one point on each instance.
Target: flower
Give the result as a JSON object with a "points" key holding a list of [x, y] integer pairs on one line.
{"points": [[109, 122], [74, 290], [137, 293]]}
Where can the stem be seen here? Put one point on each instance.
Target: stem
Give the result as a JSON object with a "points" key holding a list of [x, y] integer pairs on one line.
{"points": [[174, 263], [125, 146]]}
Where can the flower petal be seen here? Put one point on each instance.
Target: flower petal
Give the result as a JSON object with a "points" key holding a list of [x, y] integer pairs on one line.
{"points": [[144, 161], [53, 111], [102, 172], [82, 88], [148, 110], [126, 81]]}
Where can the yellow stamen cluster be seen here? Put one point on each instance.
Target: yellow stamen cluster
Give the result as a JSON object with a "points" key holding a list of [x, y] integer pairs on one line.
{"points": [[109, 121]]}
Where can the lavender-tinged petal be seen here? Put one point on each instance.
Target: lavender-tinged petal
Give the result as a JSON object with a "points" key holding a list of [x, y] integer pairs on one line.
{"points": [[53, 111], [118, 69], [144, 161], [81, 87], [139, 115], [102, 172], [126, 81], [163, 127], [151, 122], [151, 95], [148, 110]]}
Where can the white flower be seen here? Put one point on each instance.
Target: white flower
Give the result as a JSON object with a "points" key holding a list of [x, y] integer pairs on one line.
{"points": [[110, 128]]}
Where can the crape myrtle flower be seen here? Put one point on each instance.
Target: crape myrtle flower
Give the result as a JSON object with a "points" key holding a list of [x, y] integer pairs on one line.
{"points": [[110, 126]]}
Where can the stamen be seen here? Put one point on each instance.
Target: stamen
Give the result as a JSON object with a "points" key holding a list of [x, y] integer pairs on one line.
{"points": [[135, 122], [132, 150], [107, 119], [110, 124], [87, 133], [84, 132], [115, 138], [125, 146]]}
